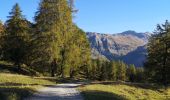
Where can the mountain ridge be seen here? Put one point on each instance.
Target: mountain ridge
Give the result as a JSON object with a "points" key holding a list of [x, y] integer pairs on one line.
{"points": [[121, 46]]}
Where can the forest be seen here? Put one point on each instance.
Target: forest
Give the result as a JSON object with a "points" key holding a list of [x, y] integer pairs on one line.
{"points": [[54, 46]]}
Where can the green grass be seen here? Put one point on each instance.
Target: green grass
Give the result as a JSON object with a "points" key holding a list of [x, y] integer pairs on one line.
{"points": [[122, 92], [14, 79], [17, 84], [17, 87]]}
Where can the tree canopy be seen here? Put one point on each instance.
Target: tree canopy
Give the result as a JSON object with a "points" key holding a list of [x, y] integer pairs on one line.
{"points": [[16, 37], [158, 60]]}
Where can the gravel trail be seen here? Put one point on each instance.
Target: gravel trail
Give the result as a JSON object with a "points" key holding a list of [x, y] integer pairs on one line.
{"points": [[66, 91]]}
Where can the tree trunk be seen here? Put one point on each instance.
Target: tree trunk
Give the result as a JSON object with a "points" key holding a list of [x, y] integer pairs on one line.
{"points": [[164, 72], [62, 63], [18, 66], [71, 72]]}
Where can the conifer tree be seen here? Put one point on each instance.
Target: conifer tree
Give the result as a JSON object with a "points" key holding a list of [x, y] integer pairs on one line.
{"points": [[121, 71], [57, 37], [16, 37], [79, 61], [1, 28], [45, 36], [93, 70], [1, 33], [104, 70], [53, 25], [140, 75], [159, 56], [96, 69], [113, 71], [131, 73]]}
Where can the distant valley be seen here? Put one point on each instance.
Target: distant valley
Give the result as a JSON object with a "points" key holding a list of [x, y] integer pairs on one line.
{"points": [[128, 46]]}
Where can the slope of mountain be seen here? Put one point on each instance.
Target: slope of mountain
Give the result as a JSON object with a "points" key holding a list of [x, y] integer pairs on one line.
{"points": [[128, 46], [136, 57]]}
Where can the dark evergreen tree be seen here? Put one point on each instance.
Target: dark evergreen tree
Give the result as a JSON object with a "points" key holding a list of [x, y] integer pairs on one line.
{"points": [[140, 75], [158, 65], [1, 34], [104, 70], [131, 73], [16, 37]]}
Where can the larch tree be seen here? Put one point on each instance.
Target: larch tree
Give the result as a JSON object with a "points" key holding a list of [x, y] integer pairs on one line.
{"points": [[1, 27], [85, 53], [121, 71], [57, 37], [113, 71], [53, 25], [45, 38], [80, 60]]}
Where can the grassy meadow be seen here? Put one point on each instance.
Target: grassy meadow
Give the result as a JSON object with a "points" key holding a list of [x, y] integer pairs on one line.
{"points": [[17, 87], [122, 91], [17, 84]]}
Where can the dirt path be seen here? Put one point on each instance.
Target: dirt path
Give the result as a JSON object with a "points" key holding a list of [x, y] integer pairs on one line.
{"points": [[59, 92]]}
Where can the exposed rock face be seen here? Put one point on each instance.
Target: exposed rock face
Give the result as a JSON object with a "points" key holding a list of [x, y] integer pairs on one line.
{"points": [[128, 46]]}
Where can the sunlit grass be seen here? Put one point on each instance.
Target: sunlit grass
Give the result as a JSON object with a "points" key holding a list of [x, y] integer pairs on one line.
{"points": [[17, 87], [121, 91], [13, 79]]}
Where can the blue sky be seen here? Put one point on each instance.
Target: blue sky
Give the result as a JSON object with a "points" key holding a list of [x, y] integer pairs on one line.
{"points": [[105, 16]]}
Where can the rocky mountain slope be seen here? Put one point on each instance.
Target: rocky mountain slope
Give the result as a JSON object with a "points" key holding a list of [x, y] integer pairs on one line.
{"points": [[128, 46]]}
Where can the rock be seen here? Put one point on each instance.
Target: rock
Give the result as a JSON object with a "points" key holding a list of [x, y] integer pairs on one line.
{"points": [[124, 46]]}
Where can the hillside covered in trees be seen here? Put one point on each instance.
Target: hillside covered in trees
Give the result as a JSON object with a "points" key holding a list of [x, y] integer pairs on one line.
{"points": [[47, 45]]}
